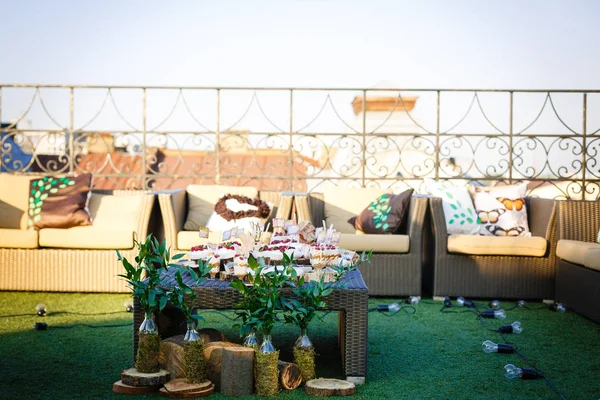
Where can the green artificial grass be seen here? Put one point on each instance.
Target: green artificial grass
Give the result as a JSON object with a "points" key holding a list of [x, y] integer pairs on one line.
{"points": [[428, 355]]}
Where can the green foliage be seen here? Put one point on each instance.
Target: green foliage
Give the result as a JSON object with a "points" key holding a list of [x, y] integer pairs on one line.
{"points": [[143, 277], [182, 295]]}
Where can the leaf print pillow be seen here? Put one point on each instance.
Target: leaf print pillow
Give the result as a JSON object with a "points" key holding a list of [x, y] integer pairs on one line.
{"points": [[59, 202], [459, 211], [385, 214]]}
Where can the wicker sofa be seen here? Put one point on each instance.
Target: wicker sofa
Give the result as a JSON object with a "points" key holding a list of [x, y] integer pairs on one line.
{"points": [[80, 259], [175, 207], [397, 262], [578, 270], [497, 267]]}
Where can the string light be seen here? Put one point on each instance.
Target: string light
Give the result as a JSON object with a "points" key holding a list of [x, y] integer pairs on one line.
{"points": [[41, 310], [394, 307], [521, 304], [498, 314], [513, 372], [491, 347], [447, 302], [558, 307], [462, 302], [515, 327], [413, 300], [494, 304], [128, 305]]}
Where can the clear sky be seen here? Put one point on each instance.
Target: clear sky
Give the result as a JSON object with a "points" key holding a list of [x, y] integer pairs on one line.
{"points": [[414, 44]]}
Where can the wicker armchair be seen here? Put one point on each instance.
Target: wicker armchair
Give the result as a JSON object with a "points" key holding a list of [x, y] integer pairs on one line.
{"points": [[497, 276], [388, 274], [578, 271], [63, 269], [174, 209]]}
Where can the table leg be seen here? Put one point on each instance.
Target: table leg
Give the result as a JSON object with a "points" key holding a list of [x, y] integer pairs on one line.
{"points": [[354, 323]]}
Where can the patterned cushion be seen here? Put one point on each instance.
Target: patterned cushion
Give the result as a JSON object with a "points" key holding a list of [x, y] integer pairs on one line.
{"points": [[458, 207], [384, 215], [59, 202], [502, 210]]}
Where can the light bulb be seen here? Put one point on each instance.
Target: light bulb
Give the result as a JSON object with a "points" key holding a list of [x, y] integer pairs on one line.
{"points": [[498, 314], [41, 310], [128, 305], [513, 372], [494, 304], [559, 307], [515, 327], [491, 347], [394, 307], [521, 304], [413, 300], [447, 302], [462, 302]]}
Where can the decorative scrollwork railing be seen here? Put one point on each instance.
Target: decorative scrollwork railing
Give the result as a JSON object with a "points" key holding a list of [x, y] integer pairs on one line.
{"points": [[303, 139]]}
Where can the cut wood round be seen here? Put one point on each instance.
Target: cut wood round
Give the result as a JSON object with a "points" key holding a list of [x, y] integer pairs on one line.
{"points": [[171, 351], [188, 395], [213, 352], [329, 387], [237, 371], [181, 385], [133, 377], [290, 376], [120, 387]]}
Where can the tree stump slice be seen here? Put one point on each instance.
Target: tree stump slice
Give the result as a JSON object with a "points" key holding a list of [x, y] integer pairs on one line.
{"points": [[182, 386], [237, 371], [133, 377], [329, 387], [187, 395], [213, 353], [290, 376], [171, 355], [121, 388]]}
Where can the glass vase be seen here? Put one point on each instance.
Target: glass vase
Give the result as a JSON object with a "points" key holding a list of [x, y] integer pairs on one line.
{"points": [[146, 360], [251, 341], [266, 346], [196, 366], [304, 355], [267, 374]]}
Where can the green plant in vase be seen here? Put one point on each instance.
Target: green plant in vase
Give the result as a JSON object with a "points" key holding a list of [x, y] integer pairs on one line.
{"points": [[248, 306], [143, 277], [183, 296], [267, 287]]}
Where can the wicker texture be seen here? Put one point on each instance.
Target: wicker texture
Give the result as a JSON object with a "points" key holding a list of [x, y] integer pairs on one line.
{"points": [[350, 299], [69, 270], [301, 207], [578, 287], [509, 277], [389, 274], [173, 209]]}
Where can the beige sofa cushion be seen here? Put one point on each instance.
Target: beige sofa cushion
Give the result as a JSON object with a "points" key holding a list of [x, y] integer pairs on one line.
{"points": [[379, 243], [18, 239], [14, 200], [116, 212], [574, 251], [343, 203], [188, 239], [494, 245], [202, 200], [592, 259], [86, 237]]}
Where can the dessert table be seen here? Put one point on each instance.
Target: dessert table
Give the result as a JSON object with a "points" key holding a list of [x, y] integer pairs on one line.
{"points": [[349, 298]]}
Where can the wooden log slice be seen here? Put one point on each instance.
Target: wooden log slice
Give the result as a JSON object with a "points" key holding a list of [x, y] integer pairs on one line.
{"points": [[189, 395], [213, 352], [133, 377], [237, 372], [329, 387], [120, 387], [290, 376], [171, 355], [181, 385]]}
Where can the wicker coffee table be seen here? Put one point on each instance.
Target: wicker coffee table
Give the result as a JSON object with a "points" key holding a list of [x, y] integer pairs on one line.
{"points": [[349, 298]]}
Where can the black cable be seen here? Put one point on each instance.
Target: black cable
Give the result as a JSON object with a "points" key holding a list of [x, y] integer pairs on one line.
{"points": [[61, 313], [43, 326]]}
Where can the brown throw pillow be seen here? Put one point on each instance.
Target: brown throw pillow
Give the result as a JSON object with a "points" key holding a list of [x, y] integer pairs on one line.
{"points": [[384, 215], [59, 202]]}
